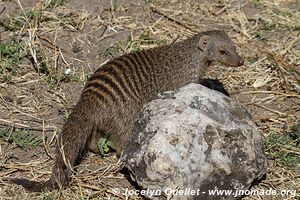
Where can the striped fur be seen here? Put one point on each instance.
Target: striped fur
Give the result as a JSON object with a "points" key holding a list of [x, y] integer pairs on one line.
{"points": [[115, 93]]}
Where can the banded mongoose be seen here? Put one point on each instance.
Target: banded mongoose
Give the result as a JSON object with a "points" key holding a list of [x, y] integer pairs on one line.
{"points": [[114, 95]]}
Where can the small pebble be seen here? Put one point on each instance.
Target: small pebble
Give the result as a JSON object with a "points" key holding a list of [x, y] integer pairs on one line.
{"points": [[67, 72]]}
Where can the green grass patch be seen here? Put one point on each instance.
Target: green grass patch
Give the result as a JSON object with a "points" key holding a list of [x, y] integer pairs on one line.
{"points": [[259, 35], [285, 148], [17, 22], [20, 137], [44, 62], [55, 3], [296, 132], [284, 13], [10, 56], [112, 52], [12, 24], [258, 3], [79, 77], [273, 26], [105, 146], [54, 78]]}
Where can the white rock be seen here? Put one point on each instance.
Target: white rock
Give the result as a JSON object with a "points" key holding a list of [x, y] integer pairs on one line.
{"points": [[196, 139], [67, 72]]}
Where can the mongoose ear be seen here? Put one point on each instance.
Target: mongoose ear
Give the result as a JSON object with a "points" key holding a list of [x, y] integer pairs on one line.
{"points": [[204, 39]]}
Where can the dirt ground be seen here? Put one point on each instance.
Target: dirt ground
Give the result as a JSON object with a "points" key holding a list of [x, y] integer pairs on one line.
{"points": [[61, 42]]}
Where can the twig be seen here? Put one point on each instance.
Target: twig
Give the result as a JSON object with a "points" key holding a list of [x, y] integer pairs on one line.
{"points": [[105, 36], [173, 19], [271, 110], [273, 92], [276, 60], [8, 173], [59, 95], [6, 123], [63, 58], [45, 144], [224, 8], [283, 52], [91, 187], [31, 39], [290, 151], [2, 10], [52, 46]]}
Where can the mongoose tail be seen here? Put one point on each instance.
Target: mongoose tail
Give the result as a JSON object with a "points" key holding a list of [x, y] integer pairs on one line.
{"points": [[71, 144], [116, 92]]}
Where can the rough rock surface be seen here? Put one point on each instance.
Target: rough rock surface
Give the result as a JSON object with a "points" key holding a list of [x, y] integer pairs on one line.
{"points": [[191, 141]]}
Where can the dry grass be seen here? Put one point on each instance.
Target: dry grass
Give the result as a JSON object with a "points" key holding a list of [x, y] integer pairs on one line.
{"points": [[61, 45]]}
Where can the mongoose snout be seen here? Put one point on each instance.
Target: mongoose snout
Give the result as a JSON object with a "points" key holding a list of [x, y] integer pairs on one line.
{"points": [[235, 61], [241, 61]]}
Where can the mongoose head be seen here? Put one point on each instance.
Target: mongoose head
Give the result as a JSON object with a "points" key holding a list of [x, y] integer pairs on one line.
{"points": [[217, 46]]}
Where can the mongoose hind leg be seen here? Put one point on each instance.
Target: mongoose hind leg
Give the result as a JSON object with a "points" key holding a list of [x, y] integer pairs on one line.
{"points": [[93, 142], [116, 133]]}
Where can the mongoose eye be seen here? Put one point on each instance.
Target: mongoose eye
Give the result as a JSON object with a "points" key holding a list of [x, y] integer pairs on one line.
{"points": [[223, 52]]}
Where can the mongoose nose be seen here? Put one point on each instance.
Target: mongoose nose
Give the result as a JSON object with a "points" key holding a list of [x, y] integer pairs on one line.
{"points": [[241, 61]]}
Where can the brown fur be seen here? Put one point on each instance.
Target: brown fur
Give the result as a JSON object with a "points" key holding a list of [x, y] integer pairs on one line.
{"points": [[116, 92]]}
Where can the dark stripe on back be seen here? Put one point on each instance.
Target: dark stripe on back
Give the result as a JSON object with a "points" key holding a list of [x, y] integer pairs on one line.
{"points": [[103, 87], [100, 95], [127, 72], [110, 76], [143, 69], [129, 61], [150, 65], [117, 70], [148, 62]]}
